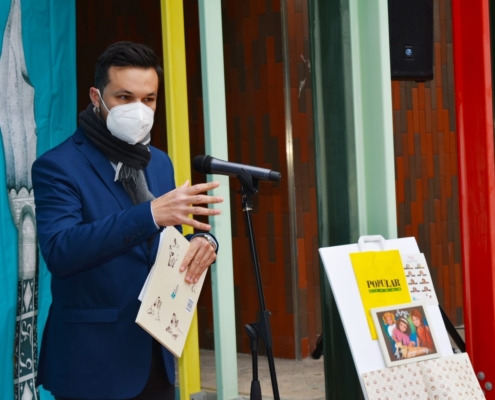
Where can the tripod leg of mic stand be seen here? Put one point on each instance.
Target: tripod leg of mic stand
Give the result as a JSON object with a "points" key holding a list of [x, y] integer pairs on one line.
{"points": [[255, 383]]}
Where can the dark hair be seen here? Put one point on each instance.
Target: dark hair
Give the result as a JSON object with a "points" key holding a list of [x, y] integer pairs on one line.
{"points": [[125, 54]]}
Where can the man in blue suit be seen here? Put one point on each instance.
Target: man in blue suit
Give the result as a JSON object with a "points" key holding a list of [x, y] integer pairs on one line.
{"points": [[102, 198]]}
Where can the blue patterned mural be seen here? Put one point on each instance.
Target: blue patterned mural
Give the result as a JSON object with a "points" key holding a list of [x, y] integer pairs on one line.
{"points": [[37, 111]]}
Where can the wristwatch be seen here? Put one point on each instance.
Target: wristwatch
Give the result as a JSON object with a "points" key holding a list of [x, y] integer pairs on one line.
{"points": [[209, 239]]}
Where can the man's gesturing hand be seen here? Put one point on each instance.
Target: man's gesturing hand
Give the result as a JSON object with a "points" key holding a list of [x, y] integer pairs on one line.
{"points": [[173, 208]]}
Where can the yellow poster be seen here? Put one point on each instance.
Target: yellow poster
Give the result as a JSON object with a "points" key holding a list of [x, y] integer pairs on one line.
{"points": [[381, 280]]}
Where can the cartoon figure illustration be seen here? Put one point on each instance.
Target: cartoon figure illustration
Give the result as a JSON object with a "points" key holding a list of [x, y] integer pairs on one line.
{"points": [[173, 328], [426, 289], [422, 331], [415, 290], [155, 308], [173, 253], [411, 282], [419, 266], [389, 320], [409, 274], [424, 281], [407, 266], [422, 273], [401, 334]]}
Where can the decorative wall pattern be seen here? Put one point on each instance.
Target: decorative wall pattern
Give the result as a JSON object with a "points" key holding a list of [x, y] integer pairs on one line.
{"points": [[426, 167], [18, 131]]}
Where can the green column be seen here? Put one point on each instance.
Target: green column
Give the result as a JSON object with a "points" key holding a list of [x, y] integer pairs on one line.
{"points": [[371, 96], [222, 277], [354, 150]]}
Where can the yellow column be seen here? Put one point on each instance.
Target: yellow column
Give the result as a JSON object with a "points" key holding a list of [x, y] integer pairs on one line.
{"points": [[174, 55]]}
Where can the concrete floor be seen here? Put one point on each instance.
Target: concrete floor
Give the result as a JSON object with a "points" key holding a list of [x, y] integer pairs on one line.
{"points": [[303, 379]]}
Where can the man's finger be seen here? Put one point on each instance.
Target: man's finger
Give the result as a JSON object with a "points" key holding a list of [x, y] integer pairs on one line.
{"points": [[188, 258], [202, 187], [205, 262], [203, 211], [203, 199], [199, 257], [193, 270], [196, 224]]}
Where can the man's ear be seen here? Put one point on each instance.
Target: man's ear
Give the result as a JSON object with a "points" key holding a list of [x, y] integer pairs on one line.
{"points": [[94, 97]]}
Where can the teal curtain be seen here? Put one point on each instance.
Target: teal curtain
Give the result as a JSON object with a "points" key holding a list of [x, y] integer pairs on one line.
{"points": [[48, 42]]}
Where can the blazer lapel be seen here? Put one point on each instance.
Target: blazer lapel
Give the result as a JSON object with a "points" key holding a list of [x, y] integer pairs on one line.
{"points": [[103, 168], [153, 187], [152, 178], [106, 172]]}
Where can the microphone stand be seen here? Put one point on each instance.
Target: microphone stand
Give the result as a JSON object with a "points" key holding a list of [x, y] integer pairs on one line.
{"points": [[261, 328]]}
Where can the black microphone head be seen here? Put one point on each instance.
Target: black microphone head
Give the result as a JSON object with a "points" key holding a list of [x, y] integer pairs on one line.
{"points": [[202, 164]]}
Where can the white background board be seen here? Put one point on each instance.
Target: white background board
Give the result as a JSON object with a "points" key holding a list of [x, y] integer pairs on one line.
{"points": [[365, 351]]}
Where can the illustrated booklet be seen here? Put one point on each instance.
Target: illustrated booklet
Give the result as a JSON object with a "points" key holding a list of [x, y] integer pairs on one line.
{"points": [[168, 302]]}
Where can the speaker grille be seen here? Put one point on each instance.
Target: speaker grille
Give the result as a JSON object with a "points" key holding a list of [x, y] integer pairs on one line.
{"points": [[411, 39]]}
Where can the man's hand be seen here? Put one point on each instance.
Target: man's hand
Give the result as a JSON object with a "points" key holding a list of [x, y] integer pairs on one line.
{"points": [[197, 259], [174, 207]]}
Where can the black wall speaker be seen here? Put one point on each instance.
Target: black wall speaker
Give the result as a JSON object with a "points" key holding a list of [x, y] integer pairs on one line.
{"points": [[411, 39]]}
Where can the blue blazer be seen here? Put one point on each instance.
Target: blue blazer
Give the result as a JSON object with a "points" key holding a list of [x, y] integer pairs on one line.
{"points": [[96, 245]]}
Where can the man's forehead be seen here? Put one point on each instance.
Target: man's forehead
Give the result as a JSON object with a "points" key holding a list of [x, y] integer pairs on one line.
{"points": [[119, 91], [130, 78]]}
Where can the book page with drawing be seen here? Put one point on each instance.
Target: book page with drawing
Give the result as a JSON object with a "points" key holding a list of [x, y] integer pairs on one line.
{"points": [[168, 302]]}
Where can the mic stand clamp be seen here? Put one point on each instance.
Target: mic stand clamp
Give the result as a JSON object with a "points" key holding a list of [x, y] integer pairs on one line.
{"points": [[261, 328]]}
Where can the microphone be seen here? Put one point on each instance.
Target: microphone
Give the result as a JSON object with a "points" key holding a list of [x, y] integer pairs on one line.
{"points": [[210, 165]]}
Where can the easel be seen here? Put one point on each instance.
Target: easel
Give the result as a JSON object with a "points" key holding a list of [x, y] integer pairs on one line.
{"points": [[366, 352]]}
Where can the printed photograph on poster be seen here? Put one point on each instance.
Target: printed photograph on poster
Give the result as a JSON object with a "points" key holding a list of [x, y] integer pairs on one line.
{"points": [[404, 333], [418, 278]]}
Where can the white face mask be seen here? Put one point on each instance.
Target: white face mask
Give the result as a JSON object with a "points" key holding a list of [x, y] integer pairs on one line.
{"points": [[130, 122]]}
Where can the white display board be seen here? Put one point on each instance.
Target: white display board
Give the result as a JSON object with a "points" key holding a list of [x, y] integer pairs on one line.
{"points": [[366, 351]]}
